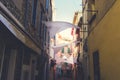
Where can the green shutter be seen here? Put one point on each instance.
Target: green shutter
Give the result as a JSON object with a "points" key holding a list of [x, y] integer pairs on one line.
{"points": [[62, 50], [69, 50]]}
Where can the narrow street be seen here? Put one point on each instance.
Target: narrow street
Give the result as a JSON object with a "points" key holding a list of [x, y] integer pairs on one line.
{"points": [[59, 39], [64, 78]]}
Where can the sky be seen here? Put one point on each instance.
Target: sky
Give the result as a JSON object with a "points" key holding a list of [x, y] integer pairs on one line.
{"points": [[65, 9]]}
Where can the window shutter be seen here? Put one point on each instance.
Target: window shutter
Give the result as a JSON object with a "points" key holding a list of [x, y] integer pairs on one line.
{"points": [[62, 50]]}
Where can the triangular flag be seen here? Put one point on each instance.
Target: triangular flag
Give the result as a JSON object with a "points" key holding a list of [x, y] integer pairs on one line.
{"points": [[58, 26]]}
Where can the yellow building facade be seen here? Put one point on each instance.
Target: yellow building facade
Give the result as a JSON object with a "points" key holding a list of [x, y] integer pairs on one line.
{"points": [[104, 39]]}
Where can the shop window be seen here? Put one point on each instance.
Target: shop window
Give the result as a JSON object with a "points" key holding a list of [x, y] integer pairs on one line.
{"points": [[26, 59], [1, 57], [18, 65], [5, 67], [26, 75], [8, 70], [11, 65]]}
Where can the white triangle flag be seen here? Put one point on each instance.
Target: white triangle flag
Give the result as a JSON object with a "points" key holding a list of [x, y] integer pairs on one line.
{"points": [[59, 47], [58, 26]]}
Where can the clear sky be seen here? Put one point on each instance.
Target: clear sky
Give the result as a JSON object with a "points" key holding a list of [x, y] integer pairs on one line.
{"points": [[65, 9]]}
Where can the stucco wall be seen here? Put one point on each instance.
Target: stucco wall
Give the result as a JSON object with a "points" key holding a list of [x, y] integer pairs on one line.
{"points": [[102, 7], [105, 38]]}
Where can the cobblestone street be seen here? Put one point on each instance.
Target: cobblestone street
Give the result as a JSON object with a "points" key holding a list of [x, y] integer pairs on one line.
{"points": [[64, 78]]}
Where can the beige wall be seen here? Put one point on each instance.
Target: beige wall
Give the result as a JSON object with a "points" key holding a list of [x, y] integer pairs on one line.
{"points": [[105, 38], [102, 6]]}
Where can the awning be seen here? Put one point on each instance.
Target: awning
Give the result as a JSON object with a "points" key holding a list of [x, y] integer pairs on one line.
{"points": [[58, 26], [20, 35]]}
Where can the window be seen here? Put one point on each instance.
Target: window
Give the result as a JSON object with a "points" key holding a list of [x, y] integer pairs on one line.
{"points": [[26, 14], [45, 33], [47, 5], [5, 64], [18, 64], [62, 51], [2, 48], [26, 59], [96, 65], [68, 50], [40, 26], [48, 38], [34, 12]]}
